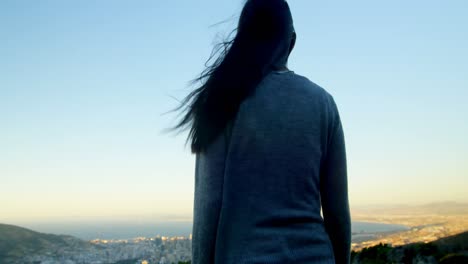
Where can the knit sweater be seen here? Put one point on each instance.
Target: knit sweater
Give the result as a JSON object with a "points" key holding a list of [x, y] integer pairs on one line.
{"points": [[261, 186]]}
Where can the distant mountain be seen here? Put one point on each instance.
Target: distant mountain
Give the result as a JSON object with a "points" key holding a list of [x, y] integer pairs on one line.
{"points": [[440, 208], [16, 242], [453, 249]]}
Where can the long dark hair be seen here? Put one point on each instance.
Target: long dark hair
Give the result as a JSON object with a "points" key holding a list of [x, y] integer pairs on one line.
{"points": [[265, 36]]}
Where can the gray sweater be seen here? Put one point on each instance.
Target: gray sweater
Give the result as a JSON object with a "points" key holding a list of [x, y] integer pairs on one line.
{"points": [[260, 187]]}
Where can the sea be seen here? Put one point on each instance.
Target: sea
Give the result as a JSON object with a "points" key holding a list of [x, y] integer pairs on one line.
{"points": [[115, 231]]}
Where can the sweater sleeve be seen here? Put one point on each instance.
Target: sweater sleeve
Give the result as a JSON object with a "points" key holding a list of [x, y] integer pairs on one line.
{"points": [[208, 194], [334, 189]]}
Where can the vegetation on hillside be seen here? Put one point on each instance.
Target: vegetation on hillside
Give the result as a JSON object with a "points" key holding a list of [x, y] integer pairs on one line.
{"points": [[17, 242], [448, 250]]}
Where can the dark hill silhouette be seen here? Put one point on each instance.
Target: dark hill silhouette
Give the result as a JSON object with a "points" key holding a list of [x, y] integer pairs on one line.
{"points": [[453, 249], [453, 243], [16, 242]]}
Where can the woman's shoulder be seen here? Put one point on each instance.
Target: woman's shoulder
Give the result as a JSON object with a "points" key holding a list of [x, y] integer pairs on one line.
{"points": [[304, 85], [309, 83]]}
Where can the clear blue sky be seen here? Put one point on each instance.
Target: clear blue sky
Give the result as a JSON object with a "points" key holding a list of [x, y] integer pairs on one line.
{"points": [[84, 84]]}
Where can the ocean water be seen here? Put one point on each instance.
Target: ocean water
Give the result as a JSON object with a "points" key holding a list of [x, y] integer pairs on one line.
{"points": [[109, 230], [114, 230], [367, 227]]}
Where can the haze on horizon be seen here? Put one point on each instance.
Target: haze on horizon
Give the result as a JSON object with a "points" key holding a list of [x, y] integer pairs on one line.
{"points": [[84, 85]]}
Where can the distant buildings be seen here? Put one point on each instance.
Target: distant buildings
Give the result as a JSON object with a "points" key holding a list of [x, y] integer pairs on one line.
{"points": [[158, 250]]}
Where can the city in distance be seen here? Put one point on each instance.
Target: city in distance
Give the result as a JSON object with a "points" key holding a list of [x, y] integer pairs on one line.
{"points": [[170, 242]]}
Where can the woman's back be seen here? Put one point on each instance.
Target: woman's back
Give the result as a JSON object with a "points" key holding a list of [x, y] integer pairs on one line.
{"points": [[259, 186]]}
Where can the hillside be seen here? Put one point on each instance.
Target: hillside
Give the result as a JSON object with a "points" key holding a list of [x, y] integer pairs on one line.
{"points": [[445, 250], [453, 243], [17, 242]]}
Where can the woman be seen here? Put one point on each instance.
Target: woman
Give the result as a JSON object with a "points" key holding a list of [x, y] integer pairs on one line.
{"points": [[270, 153]]}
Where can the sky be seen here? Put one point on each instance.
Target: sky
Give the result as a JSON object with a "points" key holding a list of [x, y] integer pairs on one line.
{"points": [[85, 85]]}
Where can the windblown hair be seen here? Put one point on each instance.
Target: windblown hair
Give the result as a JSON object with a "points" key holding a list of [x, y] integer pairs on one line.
{"points": [[257, 49]]}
